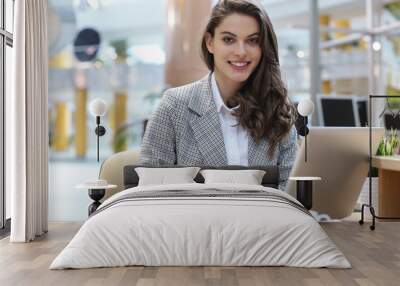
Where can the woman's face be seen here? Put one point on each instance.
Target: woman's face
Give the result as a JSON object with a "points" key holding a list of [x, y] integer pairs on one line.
{"points": [[235, 47]]}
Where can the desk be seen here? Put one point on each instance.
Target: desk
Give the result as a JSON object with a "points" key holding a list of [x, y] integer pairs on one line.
{"points": [[389, 185]]}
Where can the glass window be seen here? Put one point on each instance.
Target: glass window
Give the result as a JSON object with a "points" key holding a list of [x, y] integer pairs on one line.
{"points": [[1, 135], [9, 15], [6, 25], [7, 89], [1, 13]]}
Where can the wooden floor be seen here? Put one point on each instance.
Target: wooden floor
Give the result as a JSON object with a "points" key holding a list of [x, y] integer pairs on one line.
{"points": [[374, 255]]}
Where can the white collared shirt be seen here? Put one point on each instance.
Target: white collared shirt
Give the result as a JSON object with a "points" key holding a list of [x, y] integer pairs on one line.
{"points": [[235, 136]]}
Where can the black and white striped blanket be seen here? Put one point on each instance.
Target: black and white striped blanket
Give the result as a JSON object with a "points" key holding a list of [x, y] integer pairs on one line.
{"points": [[205, 194]]}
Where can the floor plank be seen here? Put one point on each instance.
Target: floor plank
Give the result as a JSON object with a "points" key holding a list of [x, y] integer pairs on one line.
{"points": [[374, 255]]}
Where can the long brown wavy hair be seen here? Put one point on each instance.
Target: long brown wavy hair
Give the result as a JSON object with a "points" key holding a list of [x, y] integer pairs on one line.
{"points": [[265, 109]]}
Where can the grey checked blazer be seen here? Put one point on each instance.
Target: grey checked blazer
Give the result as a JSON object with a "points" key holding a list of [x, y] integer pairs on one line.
{"points": [[185, 130]]}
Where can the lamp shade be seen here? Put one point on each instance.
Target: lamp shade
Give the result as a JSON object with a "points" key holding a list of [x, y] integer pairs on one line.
{"points": [[98, 107], [305, 107]]}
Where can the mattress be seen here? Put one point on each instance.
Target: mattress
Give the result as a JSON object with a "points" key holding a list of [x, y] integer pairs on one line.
{"points": [[201, 225]]}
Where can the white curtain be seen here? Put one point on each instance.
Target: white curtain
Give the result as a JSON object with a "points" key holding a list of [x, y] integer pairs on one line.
{"points": [[27, 123]]}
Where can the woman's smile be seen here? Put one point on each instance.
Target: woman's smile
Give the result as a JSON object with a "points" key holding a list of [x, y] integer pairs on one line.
{"points": [[239, 66]]}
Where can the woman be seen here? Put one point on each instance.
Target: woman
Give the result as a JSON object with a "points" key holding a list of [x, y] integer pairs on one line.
{"points": [[240, 113]]}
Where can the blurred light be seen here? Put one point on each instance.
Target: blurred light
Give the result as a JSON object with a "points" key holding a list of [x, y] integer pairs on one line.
{"points": [[376, 46], [151, 54], [98, 64], [110, 52], [300, 54], [98, 107], [305, 107], [94, 4], [171, 17]]}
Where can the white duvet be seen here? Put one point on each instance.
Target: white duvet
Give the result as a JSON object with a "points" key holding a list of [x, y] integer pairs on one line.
{"points": [[200, 231]]}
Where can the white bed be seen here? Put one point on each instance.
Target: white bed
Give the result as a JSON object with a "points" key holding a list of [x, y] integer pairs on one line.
{"points": [[264, 229]]}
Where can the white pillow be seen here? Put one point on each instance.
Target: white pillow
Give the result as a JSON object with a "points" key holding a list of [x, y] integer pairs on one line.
{"points": [[248, 177], [166, 176]]}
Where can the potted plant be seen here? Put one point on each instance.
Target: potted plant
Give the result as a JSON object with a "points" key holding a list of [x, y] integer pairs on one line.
{"points": [[388, 144]]}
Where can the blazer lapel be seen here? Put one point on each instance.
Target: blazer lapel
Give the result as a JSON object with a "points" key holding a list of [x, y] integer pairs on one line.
{"points": [[206, 126]]}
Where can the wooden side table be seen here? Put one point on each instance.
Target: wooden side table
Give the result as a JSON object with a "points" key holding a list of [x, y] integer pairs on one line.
{"points": [[96, 193], [304, 189], [389, 182]]}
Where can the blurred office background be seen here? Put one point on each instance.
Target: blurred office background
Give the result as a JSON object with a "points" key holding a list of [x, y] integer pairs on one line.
{"points": [[334, 52]]}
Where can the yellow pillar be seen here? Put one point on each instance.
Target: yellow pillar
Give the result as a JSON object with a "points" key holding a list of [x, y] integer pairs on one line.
{"points": [[396, 43], [363, 44], [324, 21], [62, 60], [80, 122], [120, 116], [326, 87], [61, 127], [111, 117], [342, 24]]}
